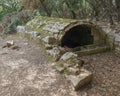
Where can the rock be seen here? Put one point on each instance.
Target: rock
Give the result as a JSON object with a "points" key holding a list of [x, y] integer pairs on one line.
{"points": [[62, 51], [68, 55], [117, 38], [73, 71], [72, 62], [33, 33], [81, 63], [10, 43], [59, 69], [48, 46], [20, 29], [50, 40], [83, 78], [53, 52]]}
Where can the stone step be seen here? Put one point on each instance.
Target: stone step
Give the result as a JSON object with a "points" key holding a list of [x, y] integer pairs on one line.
{"points": [[97, 49]]}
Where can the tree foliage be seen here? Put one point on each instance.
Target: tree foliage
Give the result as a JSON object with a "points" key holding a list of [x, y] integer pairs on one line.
{"points": [[107, 10], [8, 6]]}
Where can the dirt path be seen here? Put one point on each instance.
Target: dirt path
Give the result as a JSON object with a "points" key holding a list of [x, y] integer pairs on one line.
{"points": [[26, 72]]}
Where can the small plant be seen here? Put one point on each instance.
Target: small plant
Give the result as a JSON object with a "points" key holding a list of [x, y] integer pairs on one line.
{"points": [[11, 28], [65, 71]]}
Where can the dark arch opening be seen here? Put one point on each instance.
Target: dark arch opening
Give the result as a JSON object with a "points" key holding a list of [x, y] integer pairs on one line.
{"points": [[77, 36]]}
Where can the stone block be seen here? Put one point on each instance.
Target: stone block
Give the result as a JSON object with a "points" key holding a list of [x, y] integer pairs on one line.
{"points": [[33, 34], [73, 71], [68, 55], [79, 80], [59, 67], [93, 50], [117, 38], [49, 40], [53, 52], [20, 29]]}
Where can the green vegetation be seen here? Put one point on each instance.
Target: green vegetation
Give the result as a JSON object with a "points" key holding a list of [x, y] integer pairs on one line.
{"points": [[99, 9], [8, 6], [103, 10]]}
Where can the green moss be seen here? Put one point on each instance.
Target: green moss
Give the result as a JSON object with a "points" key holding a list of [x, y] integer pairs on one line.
{"points": [[45, 54], [45, 20], [65, 71], [58, 65], [61, 20], [40, 28]]}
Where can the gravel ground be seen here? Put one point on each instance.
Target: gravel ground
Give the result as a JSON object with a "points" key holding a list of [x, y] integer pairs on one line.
{"points": [[27, 72]]}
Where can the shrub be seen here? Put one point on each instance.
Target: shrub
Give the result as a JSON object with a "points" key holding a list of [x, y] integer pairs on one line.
{"points": [[11, 20]]}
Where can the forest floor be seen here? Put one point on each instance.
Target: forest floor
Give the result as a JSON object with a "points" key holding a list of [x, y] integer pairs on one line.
{"points": [[106, 70], [27, 72]]}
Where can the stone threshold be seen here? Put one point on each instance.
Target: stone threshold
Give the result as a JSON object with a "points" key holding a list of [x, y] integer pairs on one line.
{"points": [[94, 50]]}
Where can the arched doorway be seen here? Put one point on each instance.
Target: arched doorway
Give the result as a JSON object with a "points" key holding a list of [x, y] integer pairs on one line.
{"points": [[79, 35]]}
